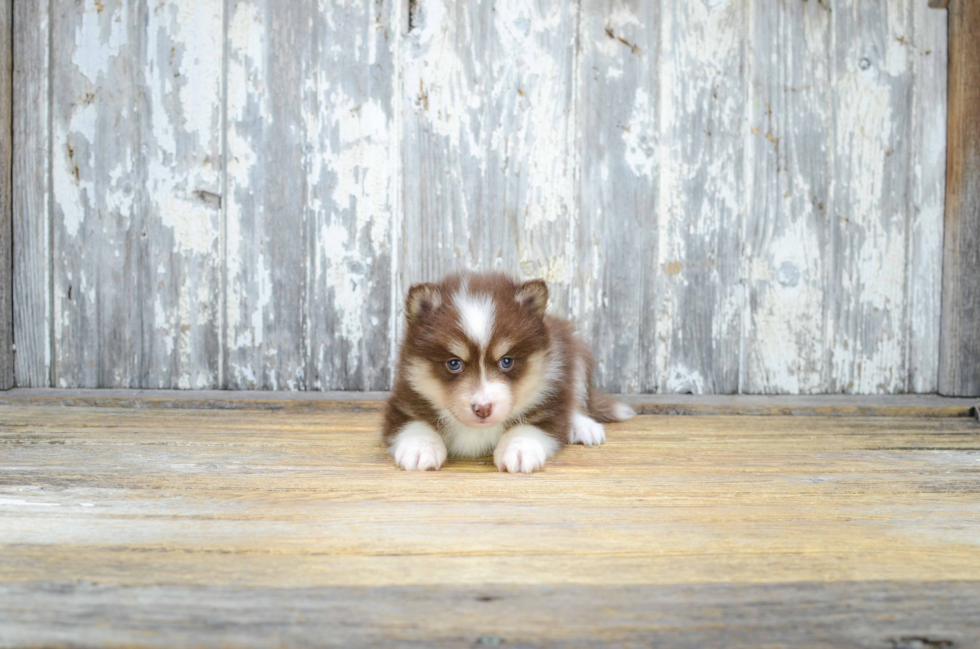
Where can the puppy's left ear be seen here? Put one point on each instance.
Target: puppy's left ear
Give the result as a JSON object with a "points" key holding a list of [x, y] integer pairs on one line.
{"points": [[534, 295]]}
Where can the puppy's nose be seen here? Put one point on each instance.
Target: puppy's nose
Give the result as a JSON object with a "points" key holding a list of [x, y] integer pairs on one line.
{"points": [[483, 410]]}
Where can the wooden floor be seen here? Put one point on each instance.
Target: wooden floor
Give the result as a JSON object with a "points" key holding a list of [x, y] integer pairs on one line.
{"points": [[157, 527]]}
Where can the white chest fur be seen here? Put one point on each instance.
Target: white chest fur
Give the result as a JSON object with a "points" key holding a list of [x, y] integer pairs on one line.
{"points": [[463, 441]]}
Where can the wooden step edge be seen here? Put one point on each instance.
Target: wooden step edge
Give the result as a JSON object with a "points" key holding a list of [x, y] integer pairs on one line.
{"points": [[911, 405]]}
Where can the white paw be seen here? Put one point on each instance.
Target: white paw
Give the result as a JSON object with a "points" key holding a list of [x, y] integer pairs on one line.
{"points": [[586, 430], [524, 449], [418, 448]]}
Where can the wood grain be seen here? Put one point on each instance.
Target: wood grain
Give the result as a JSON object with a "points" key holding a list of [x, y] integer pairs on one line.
{"points": [[927, 198], [311, 193], [724, 196], [804, 614], [6, 195], [489, 160], [31, 199], [868, 247], [268, 229], [175, 528], [180, 265], [959, 367], [789, 194], [97, 193], [617, 109], [352, 153], [700, 296]]}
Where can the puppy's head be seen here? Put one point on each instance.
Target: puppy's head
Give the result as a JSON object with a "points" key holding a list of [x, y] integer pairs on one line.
{"points": [[476, 345]]}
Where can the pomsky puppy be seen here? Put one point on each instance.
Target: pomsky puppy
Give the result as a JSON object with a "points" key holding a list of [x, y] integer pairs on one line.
{"points": [[482, 369]]}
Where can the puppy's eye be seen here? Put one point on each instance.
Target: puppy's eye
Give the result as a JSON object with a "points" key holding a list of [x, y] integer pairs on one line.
{"points": [[506, 363], [455, 365]]}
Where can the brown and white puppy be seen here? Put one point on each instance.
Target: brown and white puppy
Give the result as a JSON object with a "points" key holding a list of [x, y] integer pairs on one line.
{"points": [[482, 369]]}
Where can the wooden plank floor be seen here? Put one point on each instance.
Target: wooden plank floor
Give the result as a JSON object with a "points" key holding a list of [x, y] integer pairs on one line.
{"points": [[154, 527]]}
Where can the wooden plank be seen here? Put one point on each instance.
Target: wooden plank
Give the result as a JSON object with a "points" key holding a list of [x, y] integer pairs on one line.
{"points": [[271, 68], [96, 193], [700, 197], [6, 195], [169, 528], [616, 104], [180, 260], [487, 99], [806, 614], [929, 405], [311, 193], [31, 218], [927, 196], [819, 311], [959, 358], [790, 178], [868, 328], [350, 162]]}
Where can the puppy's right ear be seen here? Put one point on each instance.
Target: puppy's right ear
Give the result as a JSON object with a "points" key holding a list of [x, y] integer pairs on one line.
{"points": [[422, 299]]}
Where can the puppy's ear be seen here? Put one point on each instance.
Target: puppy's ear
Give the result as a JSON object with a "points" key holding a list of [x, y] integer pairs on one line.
{"points": [[422, 299], [534, 295]]}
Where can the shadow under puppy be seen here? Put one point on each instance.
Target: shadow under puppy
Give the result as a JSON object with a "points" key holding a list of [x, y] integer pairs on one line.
{"points": [[483, 369]]}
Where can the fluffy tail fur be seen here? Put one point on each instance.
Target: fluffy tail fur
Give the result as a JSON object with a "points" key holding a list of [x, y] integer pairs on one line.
{"points": [[605, 409]]}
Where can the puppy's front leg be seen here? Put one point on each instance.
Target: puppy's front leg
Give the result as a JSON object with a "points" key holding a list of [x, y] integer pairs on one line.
{"points": [[418, 447], [524, 449]]}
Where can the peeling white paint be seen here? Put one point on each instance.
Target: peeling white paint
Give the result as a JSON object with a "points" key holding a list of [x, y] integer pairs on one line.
{"points": [[184, 87], [334, 261], [74, 194], [100, 36], [640, 136], [484, 125]]}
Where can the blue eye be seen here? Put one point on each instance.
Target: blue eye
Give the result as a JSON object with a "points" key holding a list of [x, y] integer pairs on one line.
{"points": [[506, 363], [455, 365]]}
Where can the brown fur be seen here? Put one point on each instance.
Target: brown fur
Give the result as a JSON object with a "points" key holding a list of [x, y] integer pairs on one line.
{"points": [[434, 326]]}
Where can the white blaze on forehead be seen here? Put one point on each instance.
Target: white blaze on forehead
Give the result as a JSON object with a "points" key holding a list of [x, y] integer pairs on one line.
{"points": [[476, 314]]}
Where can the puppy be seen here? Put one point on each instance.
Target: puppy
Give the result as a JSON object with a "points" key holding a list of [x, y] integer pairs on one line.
{"points": [[483, 370]]}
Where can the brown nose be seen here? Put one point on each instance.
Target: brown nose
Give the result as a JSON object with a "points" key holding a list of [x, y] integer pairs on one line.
{"points": [[482, 410]]}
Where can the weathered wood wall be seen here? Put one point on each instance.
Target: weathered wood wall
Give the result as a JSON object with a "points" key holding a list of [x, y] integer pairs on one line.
{"points": [[726, 195], [6, 195]]}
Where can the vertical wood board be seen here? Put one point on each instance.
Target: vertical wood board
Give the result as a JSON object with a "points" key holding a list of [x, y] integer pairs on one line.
{"points": [[927, 197], [6, 198], [613, 292], [268, 229], [700, 197], [96, 193], [181, 205], [789, 189], [489, 150], [351, 153], [959, 359], [31, 194], [867, 275]]}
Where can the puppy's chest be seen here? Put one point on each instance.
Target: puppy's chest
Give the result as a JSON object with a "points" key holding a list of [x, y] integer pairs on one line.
{"points": [[462, 441]]}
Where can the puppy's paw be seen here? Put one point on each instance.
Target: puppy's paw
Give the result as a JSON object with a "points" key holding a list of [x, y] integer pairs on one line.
{"points": [[586, 430], [524, 449], [418, 448]]}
